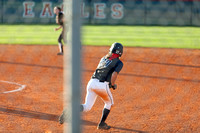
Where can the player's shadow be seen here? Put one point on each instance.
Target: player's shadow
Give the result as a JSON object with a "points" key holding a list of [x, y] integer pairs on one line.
{"points": [[89, 123], [155, 63], [152, 77], [27, 113], [162, 63], [32, 65], [50, 117]]}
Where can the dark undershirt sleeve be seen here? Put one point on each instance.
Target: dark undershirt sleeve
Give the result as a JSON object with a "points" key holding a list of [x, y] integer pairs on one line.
{"points": [[118, 67]]}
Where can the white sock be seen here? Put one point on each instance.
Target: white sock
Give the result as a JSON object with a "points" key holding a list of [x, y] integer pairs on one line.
{"points": [[60, 47]]}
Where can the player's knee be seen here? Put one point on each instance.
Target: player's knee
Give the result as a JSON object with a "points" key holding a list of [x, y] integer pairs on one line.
{"points": [[108, 106]]}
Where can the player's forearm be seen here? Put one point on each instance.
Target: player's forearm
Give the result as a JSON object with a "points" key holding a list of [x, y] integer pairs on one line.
{"points": [[113, 78], [58, 28]]}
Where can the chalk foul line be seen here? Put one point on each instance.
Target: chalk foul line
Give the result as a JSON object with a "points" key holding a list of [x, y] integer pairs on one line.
{"points": [[21, 87]]}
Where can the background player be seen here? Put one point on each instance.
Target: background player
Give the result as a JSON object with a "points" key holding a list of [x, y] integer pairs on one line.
{"points": [[60, 21], [103, 78]]}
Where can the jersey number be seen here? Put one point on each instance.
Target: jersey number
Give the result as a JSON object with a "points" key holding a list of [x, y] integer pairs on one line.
{"points": [[104, 63]]}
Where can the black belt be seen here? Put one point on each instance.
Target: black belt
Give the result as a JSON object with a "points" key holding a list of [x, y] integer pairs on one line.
{"points": [[99, 80]]}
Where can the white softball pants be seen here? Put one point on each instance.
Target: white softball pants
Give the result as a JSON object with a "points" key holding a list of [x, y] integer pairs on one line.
{"points": [[94, 89]]}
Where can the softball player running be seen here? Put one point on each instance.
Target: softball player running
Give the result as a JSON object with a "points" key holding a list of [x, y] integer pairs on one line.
{"points": [[60, 21], [103, 78]]}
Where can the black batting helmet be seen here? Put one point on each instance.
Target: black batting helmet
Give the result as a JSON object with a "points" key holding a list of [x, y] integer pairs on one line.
{"points": [[117, 48]]}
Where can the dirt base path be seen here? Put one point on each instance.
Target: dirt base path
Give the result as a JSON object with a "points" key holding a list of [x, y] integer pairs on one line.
{"points": [[158, 90]]}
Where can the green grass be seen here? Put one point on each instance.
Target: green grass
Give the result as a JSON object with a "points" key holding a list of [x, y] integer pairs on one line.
{"points": [[28, 34], [141, 36]]}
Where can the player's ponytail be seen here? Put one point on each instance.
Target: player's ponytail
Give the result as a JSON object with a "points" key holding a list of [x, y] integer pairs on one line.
{"points": [[58, 8], [108, 55]]}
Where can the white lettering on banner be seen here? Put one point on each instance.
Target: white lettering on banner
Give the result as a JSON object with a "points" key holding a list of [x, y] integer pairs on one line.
{"points": [[117, 11], [99, 10], [47, 10], [83, 13], [28, 9]]}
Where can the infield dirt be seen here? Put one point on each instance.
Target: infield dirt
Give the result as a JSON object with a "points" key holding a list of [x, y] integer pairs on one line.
{"points": [[158, 90]]}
